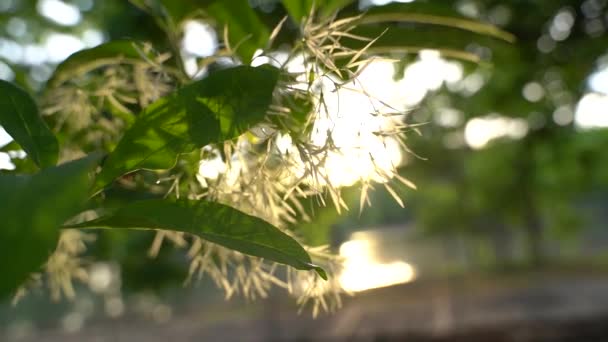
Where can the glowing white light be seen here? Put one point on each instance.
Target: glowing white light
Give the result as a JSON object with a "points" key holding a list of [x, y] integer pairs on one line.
{"points": [[211, 168], [468, 8], [353, 118], [100, 277], [368, 3], [191, 66], [452, 72], [562, 25], [480, 131], [598, 81], [5, 138], [353, 115], [11, 50], [564, 20], [363, 272], [92, 37], [533, 92], [563, 115], [545, 44], [448, 117], [472, 83], [60, 46], [592, 111], [276, 59], [427, 74], [7, 74], [16, 27], [59, 12], [34, 54], [199, 39], [5, 162]]}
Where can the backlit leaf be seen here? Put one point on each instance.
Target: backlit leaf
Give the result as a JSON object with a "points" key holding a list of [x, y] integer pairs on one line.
{"points": [[432, 14], [86, 60], [213, 222], [217, 108]]}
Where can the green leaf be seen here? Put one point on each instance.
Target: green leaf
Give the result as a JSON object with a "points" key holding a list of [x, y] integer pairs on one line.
{"points": [[246, 31], [217, 108], [20, 117], [299, 9], [32, 209], [213, 222], [84, 61], [429, 13], [411, 28], [450, 42]]}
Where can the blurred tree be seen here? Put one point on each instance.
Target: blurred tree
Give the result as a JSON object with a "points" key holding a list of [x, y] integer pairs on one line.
{"points": [[537, 179]]}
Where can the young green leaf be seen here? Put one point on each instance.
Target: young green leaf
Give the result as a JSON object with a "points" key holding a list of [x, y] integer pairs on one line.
{"points": [[217, 108], [86, 60], [213, 222], [32, 209], [20, 117]]}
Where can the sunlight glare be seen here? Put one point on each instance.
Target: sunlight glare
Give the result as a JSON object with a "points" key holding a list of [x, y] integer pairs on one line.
{"points": [[11, 50], [199, 39], [352, 120], [5, 162], [7, 74], [592, 111], [356, 112], [362, 271], [60, 12], [598, 81], [5, 159], [360, 120], [211, 168], [367, 3], [480, 131], [92, 37], [60, 46]]}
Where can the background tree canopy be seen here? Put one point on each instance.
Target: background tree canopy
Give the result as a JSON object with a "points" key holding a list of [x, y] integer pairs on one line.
{"points": [[245, 141]]}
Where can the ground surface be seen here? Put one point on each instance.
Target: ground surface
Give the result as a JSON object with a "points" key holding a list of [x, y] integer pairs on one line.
{"points": [[545, 307]]}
